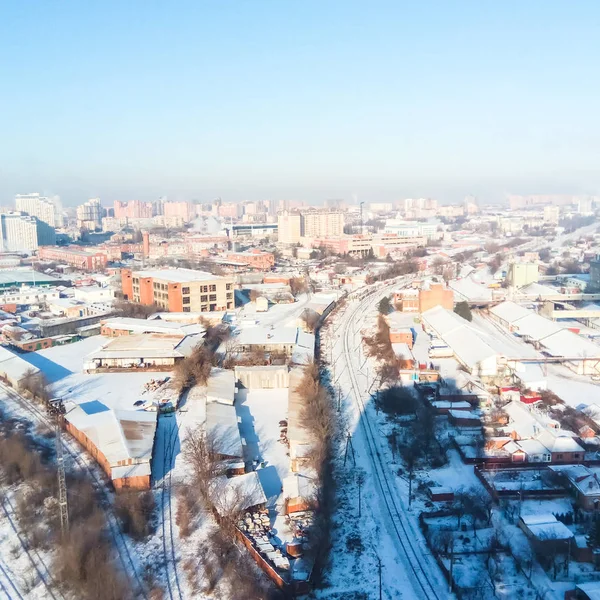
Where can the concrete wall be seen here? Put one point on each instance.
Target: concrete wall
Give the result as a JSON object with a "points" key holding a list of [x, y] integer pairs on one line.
{"points": [[270, 377]]}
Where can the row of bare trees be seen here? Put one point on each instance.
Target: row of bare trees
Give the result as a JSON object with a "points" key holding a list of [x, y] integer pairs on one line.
{"points": [[379, 346], [318, 418]]}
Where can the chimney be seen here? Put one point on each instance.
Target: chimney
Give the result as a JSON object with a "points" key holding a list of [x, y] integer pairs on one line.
{"points": [[146, 244]]}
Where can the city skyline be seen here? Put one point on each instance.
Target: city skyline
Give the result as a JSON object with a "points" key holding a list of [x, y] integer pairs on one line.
{"points": [[307, 102]]}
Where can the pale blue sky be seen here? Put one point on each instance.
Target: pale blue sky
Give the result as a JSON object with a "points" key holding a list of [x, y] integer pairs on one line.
{"points": [[304, 100]]}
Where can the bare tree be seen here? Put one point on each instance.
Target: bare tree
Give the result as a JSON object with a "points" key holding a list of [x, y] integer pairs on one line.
{"points": [[360, 476]]}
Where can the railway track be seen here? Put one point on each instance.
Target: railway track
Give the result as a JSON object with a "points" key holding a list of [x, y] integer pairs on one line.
{"points": [[7, 583], [37, 563], [398, 527], [74, 451], [168, 536]]}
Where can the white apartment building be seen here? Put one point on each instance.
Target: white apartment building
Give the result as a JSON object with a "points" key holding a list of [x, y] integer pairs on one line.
{"points": [[89, 214], [289, 227], [45, 209], [412, 229], [24, 233]]}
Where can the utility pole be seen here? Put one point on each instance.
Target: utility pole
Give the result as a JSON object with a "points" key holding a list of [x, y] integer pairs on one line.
{"points": [[58, 409], [379, 570]]}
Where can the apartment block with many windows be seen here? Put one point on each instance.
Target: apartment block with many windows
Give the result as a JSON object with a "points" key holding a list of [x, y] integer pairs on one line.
{"points": [[179, 290]]}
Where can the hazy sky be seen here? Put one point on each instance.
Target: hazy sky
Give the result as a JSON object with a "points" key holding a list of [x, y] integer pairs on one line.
{"points": [[305, 100]]}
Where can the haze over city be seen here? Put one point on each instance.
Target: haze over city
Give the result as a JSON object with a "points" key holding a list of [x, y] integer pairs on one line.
{"points": [[299, 300], [305, 101]]}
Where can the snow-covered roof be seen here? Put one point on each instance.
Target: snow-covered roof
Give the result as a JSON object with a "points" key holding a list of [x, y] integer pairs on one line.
{"points": [[546, 527], [121, 435], [222, 429], [233, 495], [300, 485], [591, 589], [255, 336], [221, 386], [468, 347], [442, 321], [152, 325], [151, 345], [536, 327], [509, 311], [559, 443], [537, 289], [177, 275], [569, 344], [13, 367]]}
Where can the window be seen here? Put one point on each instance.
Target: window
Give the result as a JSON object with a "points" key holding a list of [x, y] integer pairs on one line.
{"points": [[203, 298], [213, 288], [229, 295], [230, 305], [213, 298], [205, 288], [186, 299], [228, 286], [576, 455], [204, 308], [186, 309], [559, 456]]}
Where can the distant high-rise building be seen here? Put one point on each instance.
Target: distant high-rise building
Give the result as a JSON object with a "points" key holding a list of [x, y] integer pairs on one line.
{"points": [[45, 209], [322, 223], [181, 210], [289, 227], [24, 233], [411, 204], [134, 209], [89, 215], [585, 205], [158, 207]]}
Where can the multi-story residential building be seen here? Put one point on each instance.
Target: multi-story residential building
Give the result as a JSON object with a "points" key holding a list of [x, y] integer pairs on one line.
{"points": [[134, 209], [47, 210], [24, 233], [411, 204], [89, 214], [322, 223], [74, 256], [179, 290], [181, 210], [552, 214], [289, 227]]}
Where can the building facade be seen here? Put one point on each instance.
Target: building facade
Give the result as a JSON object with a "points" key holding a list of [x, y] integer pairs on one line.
{"points": [[134, 209], [47, 210], [24, 233], [75, 257], [289, 227], [436, 295], [322, 223], [179, 290], [89, 215]]}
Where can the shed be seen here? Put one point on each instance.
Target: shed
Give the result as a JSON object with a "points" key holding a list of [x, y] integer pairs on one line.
{"points": [[441, 494], [234, 495], [13, 368]]}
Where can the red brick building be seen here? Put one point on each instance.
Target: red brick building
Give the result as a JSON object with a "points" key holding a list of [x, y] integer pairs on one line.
{"points": [[254, 259], [75, 257], [435, 295]]}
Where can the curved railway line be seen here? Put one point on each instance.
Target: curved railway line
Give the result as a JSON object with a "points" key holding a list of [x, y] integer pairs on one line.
{"points": [[398, 529]]}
